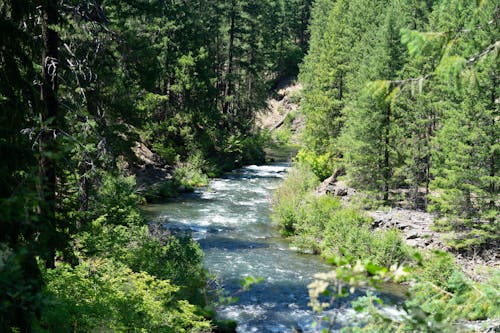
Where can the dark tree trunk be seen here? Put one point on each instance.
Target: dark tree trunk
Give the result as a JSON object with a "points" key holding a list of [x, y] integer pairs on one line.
{"points": [[84, 166], [228, 92], [47, 141]]}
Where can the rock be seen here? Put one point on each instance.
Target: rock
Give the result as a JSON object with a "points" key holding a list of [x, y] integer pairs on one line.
{"points": [[413, 235], [143, 153], [335, 187], [341, 192], [414, 225]]}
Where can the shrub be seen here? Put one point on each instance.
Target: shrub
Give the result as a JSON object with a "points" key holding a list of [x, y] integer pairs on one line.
{"points": [[253, 148], [283, 136], [316, 213], [245, 148], [459, 297], [101, 294], [190, 174], [20, 293], [178, 259], [320, 164], [288, 199], [389, 247], [320, 224], [116, 199], [167, 153], [436, 267], [347, 233]]}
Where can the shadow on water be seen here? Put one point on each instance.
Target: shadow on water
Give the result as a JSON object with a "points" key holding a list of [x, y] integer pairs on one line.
{"points": [[227, 243]]}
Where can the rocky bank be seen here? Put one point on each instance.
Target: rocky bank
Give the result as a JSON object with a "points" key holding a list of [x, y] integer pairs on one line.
{"points": [[416, 229]]}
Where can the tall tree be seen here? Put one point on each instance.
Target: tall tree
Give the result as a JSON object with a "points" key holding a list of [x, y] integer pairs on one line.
{"points": [[49, 118]]}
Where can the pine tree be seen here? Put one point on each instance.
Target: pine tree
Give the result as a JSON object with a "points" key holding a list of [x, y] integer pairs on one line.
{"points": [[370, 137]]}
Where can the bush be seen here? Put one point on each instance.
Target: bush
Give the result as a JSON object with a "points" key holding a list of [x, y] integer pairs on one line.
{"points": [[347, 233], [101, 294], [20, 284], [436, 267], [116, 200], [288, 199], [167, 153], [320, 164], [316, 213], [319, 224], [245, 148], [178, 259], [458, 298], [190, 174], [283, 136], [127, 279]]}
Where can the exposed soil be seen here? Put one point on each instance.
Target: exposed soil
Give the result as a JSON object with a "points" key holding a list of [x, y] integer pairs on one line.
{"points": [[280, 105]]}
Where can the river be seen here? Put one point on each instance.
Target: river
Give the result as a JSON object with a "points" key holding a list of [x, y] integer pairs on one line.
{"points": [[231, 221]]}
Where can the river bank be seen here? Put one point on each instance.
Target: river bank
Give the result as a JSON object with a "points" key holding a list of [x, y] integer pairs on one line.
{"points": [[417, 230], [329, 219]]}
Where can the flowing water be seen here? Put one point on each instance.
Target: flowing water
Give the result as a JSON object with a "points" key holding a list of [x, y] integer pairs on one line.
{"points": [[231, 221]]}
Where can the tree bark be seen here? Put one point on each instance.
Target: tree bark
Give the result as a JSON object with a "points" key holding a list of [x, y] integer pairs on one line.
{"points": [[47, 140], [229, 80], [386, 170]]}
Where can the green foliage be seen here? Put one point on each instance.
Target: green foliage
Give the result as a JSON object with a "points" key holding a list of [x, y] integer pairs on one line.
{"points": [[100, 294], [436, 267], [283, 135], [116, 285], [349, 234], [186, 80], [190, 174], [249, 281], [458, 298], [319, 224], [429, 308], [320, 164], [313, 218], [404, 95], [116, 202], [19, 292], [287, 201], [241, 149], [347, 277]]}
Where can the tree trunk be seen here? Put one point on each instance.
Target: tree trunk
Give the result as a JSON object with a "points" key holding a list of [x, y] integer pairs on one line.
{"points": [[229, 80], [494, 106], [47, 140], [386, 170]]}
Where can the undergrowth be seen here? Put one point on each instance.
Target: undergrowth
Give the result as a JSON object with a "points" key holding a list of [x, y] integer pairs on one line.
{"points": [[441, 295]]}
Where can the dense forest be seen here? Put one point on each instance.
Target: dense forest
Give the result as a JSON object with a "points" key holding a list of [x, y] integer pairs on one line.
{"points": [[400, 99], [81, 82], [401, 104], [404, 94]]}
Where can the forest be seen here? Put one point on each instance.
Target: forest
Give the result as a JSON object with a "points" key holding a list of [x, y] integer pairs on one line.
{"points": [[400, 102], [401, 105]]}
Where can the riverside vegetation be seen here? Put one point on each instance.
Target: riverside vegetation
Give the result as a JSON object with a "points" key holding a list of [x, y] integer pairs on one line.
{"points": [[401, 101]]}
